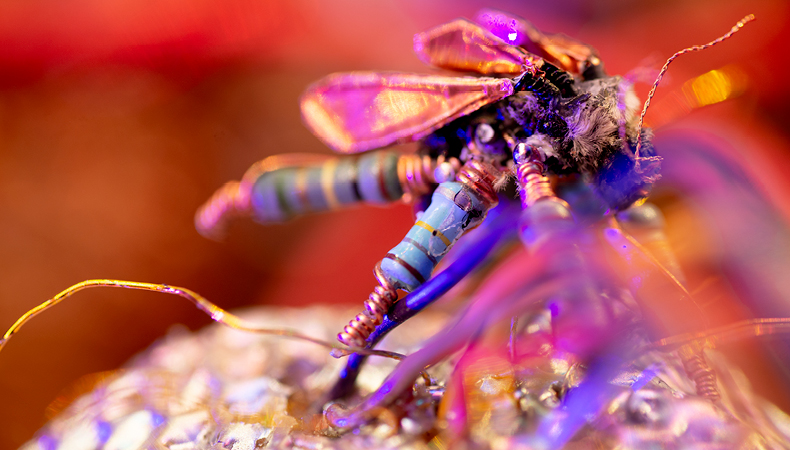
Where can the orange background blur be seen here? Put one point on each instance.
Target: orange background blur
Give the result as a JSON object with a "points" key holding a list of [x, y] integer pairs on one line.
{"points": [[119, 118]]}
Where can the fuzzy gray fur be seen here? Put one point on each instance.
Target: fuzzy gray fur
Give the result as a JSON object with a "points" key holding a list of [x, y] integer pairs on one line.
{"points": [[597, 121]]}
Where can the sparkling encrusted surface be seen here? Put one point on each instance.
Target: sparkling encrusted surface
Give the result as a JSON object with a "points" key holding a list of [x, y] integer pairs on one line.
{"points": [[223, 389]]}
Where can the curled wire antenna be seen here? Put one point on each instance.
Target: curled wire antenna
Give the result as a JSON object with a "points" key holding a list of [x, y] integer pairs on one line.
{"points": [[694, 48], [215, 312]]}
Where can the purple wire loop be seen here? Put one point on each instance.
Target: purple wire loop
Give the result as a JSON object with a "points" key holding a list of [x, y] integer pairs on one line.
{"points": [[470, 253]]}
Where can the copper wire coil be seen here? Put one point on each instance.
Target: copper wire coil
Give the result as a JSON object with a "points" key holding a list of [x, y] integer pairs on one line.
{"points": [[704, 378], [482, 178], [415, 173], [534, 184], [227, 202], [376, 306]]}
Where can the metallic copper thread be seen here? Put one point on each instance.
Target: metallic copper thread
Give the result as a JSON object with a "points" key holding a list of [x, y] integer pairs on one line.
{"points": [[482, 178], [378, 303], [215, 312], [694, 48], [534, 184], [415, 173], [703, 376]]}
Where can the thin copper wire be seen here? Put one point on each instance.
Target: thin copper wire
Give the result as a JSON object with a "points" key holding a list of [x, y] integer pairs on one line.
{"points": [[653, 260], [534, 184], [693, 359], [482, 178], [376, 306], [691, 345], [415, 173], [215, 312], [228, 202], [233, 199], [729, 333], [694, 48]]}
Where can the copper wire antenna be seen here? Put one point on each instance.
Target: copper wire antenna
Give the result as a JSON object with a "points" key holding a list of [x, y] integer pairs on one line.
{"points": [[695, 48]]}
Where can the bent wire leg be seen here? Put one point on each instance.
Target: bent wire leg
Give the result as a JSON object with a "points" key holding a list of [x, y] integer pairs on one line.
{"points": [[474, 251], [501, 297], [754, 237]]}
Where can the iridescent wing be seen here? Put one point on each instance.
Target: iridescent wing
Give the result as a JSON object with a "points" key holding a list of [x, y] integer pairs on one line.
{"points": [[566, 53], [360, 111], [463, 46]]}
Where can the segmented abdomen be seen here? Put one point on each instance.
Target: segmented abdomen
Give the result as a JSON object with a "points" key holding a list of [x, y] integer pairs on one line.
{"points": [[284, 193]]}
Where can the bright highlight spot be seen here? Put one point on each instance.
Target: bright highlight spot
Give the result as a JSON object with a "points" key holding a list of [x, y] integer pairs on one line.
{"points": [[714, 86]]}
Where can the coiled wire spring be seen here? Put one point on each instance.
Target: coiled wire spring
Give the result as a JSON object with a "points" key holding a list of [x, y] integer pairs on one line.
{"points": [[417, 173], [378, 303], [531, 175], [703, 376], [482, 178]]}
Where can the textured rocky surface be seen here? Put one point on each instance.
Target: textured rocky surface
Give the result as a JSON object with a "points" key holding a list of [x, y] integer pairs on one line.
{"points": [[223, 389]]}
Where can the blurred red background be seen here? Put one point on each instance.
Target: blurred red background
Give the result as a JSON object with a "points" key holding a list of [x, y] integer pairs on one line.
{"points": [[118, 119]]}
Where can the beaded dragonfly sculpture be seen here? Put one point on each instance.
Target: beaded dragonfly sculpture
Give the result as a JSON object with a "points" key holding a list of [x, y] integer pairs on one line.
{"points": [[541, 111]]}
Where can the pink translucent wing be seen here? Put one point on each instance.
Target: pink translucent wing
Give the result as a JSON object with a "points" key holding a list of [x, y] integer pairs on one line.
{"points": [[360, 111], [463, 46], [568, 54]]}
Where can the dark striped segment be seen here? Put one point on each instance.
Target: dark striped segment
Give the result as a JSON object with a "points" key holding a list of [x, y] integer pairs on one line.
{"points": [[288, 192], [414, 272]]}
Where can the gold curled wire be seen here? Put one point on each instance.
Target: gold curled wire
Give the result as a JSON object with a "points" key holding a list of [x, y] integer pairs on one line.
{"points": [[215, 312]]}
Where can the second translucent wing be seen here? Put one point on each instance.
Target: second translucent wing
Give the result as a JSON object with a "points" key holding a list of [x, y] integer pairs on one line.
{"points": [[463, 46], [568, 54]]}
